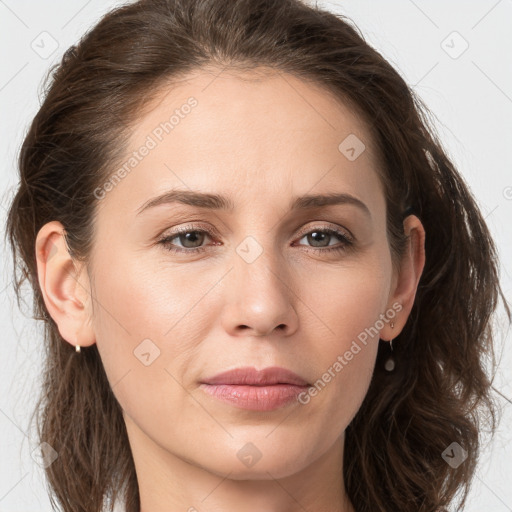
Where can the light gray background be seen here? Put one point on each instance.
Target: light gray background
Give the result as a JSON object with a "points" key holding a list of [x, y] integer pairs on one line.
{"points": [[470, 94]]}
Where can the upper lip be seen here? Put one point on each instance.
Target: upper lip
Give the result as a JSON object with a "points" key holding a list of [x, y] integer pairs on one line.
{"points": [[251, 376]]}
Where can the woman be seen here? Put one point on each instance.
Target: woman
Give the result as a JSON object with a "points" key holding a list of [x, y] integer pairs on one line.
{"points": [[264, 284]]}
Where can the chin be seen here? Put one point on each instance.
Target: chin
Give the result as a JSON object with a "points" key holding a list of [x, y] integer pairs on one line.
{"points": [[279, 465]]}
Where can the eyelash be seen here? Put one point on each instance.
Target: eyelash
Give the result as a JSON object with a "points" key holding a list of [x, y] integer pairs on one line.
{"points": [[347, 241]]}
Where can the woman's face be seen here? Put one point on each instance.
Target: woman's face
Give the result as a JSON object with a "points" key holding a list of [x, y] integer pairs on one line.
{"points": [[271, 285]]}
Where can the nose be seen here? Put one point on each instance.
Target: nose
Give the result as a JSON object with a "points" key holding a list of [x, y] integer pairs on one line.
{"points": [[259, 299]]}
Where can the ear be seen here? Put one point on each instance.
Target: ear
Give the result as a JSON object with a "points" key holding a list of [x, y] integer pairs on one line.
{"points": [[64, 285], [406, 282]]}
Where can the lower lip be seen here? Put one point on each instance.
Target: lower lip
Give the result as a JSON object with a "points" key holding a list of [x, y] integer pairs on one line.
{"points": [[255, 398]]}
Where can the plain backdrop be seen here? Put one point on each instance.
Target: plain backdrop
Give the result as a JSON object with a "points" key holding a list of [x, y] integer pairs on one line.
{"points": [[456, 56]]}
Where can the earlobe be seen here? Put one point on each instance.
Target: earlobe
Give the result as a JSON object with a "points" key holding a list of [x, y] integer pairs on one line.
{"points": [[65, 291]]}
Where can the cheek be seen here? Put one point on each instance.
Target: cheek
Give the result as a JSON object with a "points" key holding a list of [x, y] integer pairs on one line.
{"points": [[139, 300], [345, 302], [346, 308], [138, 318]]}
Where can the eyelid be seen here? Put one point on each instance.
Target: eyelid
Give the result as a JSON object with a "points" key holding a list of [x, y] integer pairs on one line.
{"points": [[337, 229], [304, 231], [347, 240], [174, 231]]}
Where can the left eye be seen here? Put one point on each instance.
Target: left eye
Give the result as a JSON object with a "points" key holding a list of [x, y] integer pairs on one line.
{"points": [[191, 240], [187, 236], [320, 235]]}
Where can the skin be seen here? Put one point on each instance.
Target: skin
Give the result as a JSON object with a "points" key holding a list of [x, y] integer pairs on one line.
{"points": [[260, 139]]}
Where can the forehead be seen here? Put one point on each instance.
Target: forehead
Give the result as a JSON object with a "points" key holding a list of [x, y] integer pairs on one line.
{"points": [[242, 133]]}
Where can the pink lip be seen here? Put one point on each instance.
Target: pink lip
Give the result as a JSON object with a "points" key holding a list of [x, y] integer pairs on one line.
{"points": [[250, 376], [248, 388]]}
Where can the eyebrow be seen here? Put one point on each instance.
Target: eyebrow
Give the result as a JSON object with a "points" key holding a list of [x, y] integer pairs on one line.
{"points": [[219, 202]]}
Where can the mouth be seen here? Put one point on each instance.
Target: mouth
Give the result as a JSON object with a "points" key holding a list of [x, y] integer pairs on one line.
{"points": [[248, 388]]}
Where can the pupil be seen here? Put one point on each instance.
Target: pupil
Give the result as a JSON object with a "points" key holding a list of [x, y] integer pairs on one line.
{"points": [[191, 236], [318, 234]]}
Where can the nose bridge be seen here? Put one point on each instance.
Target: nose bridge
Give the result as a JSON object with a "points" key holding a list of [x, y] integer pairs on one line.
{"points": [[259, 296], [258, 267], [259, 259]]}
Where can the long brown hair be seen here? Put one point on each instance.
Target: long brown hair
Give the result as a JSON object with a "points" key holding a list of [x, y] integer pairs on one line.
{"points": [[439, 393]]}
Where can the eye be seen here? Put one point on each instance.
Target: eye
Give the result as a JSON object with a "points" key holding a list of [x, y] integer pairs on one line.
{"points": [[191, 240], [324, 235]]}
